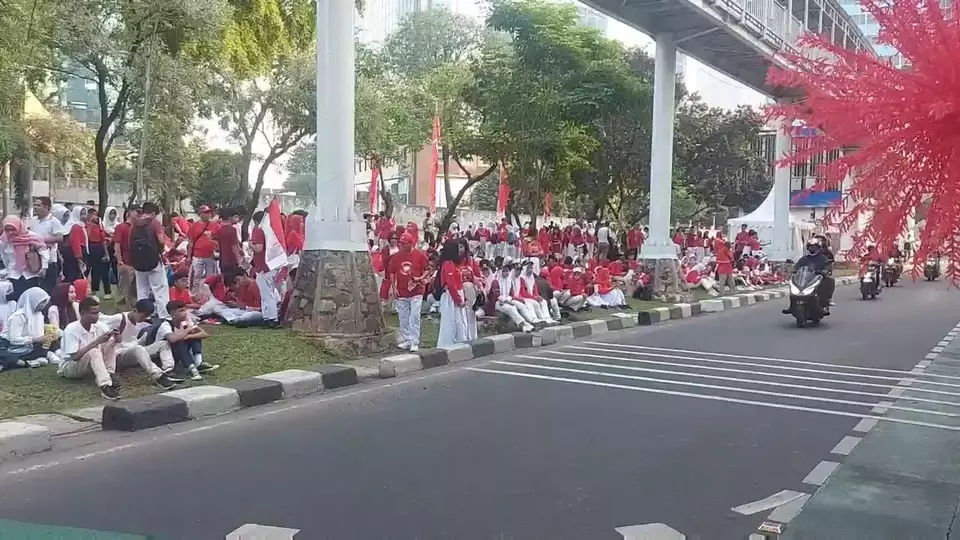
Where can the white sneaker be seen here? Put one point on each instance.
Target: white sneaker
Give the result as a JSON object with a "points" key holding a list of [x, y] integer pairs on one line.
{"points": [[107, 296], [526, 328], [403, 345], [414, 348], [53, 358], [194, 374]]}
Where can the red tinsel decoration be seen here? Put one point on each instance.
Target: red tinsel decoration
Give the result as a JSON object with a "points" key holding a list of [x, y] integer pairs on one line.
{"points": [[899, 129]]}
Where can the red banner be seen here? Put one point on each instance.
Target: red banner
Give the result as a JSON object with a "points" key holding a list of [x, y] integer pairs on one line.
{"points": [[547, 203], [374, 187], [435, 165], [503, 193]]}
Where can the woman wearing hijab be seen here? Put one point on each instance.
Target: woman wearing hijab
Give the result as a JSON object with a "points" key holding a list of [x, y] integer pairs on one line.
{"points": [[74, 248], [453, 307], [470, 274], [25, 339], [25, 256], [98, 261]]}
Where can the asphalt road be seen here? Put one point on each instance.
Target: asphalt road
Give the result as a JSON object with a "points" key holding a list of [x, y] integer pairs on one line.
{"points": [[676, 423]]}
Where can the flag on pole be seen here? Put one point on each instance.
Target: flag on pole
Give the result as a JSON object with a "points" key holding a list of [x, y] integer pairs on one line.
{"points": [[374, 187], [435, 165], [503, 193], [275, 247], [547, 203]]}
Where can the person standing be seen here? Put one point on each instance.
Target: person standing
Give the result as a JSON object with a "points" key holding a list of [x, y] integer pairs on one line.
{"points": [[429, 229], [75, 246], [603, 241], [126, 275], [265, 276], [453, 315], [407, 272], [201, 248], [228, 241], [98, 261], [50, 229], [24, 254], [146, 250]]}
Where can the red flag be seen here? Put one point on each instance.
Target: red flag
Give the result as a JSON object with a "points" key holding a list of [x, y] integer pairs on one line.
{"points": [[276, 245], [547, 203], [374, 184], [435, 165], [503, 193]]}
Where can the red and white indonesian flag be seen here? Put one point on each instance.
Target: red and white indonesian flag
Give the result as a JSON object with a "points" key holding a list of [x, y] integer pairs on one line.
{"points": [[275, 246]]}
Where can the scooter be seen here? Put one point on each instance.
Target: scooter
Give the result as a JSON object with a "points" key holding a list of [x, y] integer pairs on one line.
{"points": [[931, 268], [804, 300], [870, 281], [891, 272]]}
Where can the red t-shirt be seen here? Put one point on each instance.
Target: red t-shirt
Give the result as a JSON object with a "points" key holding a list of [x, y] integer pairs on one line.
{"points": [[180, 295], [227, 240], [121, 237], [95, 233], [259, 257], [406, 267], [634, 238], [249, 294], [217, 287], [78, 240], [452, 279], [202, 235]]}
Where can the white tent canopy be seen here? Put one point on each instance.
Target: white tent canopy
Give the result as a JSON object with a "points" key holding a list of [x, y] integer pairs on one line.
{"points": [[761, 220]]}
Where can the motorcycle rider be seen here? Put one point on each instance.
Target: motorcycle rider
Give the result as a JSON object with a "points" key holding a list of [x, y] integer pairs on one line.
{"points": [[818, 260]]}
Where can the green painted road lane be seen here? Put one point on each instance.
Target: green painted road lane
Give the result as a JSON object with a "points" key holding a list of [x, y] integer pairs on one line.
{"points": [[18, 530]]}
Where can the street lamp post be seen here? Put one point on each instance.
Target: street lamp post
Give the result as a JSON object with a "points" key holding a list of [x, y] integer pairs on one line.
{"points": [[335, 297]]}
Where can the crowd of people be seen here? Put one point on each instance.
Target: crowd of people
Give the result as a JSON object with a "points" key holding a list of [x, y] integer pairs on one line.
{"points": [[171, 274], [534, 277]]}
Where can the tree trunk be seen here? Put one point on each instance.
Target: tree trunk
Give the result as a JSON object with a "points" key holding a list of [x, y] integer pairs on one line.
{"points": [[255, 195], [99, 151], [448, 191], [384, 194], [5, 187], [454, 201]]}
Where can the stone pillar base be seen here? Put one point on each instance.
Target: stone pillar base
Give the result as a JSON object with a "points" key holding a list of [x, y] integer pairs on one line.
{"points": [[667, 284], [335, 302]]}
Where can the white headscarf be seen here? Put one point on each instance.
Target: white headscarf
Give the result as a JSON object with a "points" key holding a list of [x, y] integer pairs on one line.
{"points": [[110, 224], [506, 284], [76, 219], [27, 308], [61, 213]]}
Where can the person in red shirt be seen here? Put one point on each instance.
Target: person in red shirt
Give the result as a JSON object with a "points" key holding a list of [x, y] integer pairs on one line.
{"points": [[385, 225], [228, 241], [529, 293], [453, 316], [408, 273], [202, 247], [740, 240], [678, 237], [634, 240], [180, 291], [483, 234], [724, 260], [98, 260], [268, 293], [126, 275]]}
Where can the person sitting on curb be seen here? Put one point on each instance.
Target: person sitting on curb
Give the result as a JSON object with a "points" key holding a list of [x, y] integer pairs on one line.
{"points": [[86, 347]]}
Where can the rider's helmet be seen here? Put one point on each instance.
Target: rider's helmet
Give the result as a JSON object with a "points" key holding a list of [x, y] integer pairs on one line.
{"points": [[814, 247]]}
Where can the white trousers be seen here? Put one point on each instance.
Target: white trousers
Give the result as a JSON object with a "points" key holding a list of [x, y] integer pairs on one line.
{"points": [[453, 322], [470, 296], [408, 310], [155, 281], [540, 309], [200, 269], [513, 314], [570, 301], [269, 294]]}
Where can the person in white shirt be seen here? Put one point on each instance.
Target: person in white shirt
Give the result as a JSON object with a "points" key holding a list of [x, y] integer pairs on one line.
{"points": [[184, 338], [26, 339], [603, 240], [51, 230], [25, 256], [86, 347]]}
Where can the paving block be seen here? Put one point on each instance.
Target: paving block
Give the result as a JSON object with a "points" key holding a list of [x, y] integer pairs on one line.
{"points": [[253, 391], [296, 382], [629, 320], [144, 413], [747, 299], [675, 311], [22, 439], [712, 306], [648, 317], [526, 340], [87, 414], [58, 424], [431, 358], [684, 310], [696, 309], [555, 334], [398, 364], [502, 343], [482, 347], [730, 302], [614, 323], [664, 313], [207, 400], [336, 375], [763, 296], [599, 326], [582, 329], [459, 353]]}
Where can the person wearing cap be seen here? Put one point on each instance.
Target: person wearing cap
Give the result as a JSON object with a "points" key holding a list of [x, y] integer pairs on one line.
{"points": [[408, 273], [202, 247]]}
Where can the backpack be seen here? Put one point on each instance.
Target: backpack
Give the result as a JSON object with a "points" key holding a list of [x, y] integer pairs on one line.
{"points": [[144, 249]]}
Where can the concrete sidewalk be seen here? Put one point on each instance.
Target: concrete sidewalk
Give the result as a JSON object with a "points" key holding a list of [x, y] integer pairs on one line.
{"points": [[902, 481]]}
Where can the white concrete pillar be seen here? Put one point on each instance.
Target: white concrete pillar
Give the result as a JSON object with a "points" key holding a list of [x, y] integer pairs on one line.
{"points": [[659, 245], [782, 248], [334, 225]]}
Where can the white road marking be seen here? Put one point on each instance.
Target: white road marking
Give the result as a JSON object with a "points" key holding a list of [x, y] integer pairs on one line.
{"points": [[820, 473], [765, 358], [777, 499], [882, 407], [924, 364], [866, 425], [786, 513], [711, 398], [769, 366], [651, 531], [931, 356], [937, 349], [723, 378], [252, 531], [943, 343], [724, 388], [845, 446]]}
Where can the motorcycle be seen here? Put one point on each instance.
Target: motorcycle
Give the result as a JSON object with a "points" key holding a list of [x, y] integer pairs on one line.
{"points": [[804, 300], [891, 272], [931, 268], [870, 281]]}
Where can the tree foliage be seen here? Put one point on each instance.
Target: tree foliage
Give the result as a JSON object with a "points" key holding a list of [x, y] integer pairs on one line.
{"points": [[218, 180], [301, 169]]}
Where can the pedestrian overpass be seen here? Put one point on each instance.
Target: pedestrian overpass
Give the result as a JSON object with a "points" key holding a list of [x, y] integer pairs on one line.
{"points": [[744, 39]]}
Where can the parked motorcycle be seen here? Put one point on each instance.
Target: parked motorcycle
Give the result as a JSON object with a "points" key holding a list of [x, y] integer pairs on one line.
{"points": [[805, 302], [870, 281], [931, 268]]}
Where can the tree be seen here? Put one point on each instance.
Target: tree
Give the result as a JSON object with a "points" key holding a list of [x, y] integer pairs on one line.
{"points": [[302, 170], [218, 180], [485, 193]]}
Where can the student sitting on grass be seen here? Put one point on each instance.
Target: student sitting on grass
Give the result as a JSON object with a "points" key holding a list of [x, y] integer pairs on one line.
{"points": [[185, 339], [26, 338]]}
